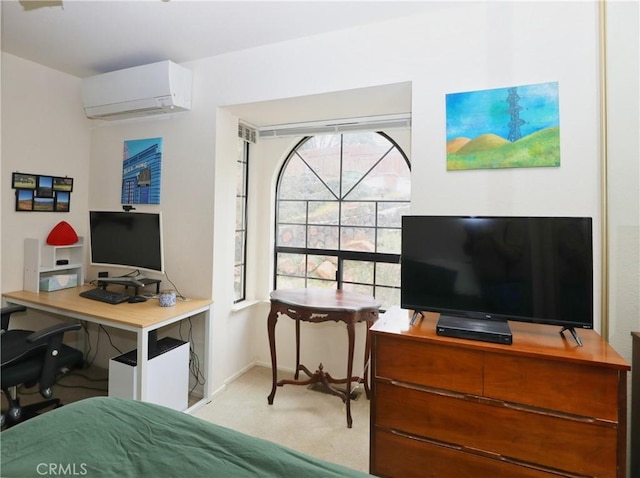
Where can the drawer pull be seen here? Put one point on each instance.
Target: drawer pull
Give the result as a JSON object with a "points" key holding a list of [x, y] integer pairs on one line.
{"points": [[426, 440], [437, 391], [551, 413]]}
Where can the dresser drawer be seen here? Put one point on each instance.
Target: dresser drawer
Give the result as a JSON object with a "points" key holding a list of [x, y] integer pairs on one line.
{"points": [[402, 456], [430, 365], [496, 428], [571, 388]]}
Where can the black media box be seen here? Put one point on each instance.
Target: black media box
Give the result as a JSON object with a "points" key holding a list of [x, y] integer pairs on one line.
{"points": [[495, 331]]}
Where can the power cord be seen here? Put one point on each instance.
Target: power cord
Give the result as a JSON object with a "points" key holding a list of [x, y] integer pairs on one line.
{"points": [[178, 293], [194, 360], [101, 328]]}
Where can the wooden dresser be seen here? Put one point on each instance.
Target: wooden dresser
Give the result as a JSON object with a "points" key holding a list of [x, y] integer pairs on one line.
{"points": [[542, 407]]}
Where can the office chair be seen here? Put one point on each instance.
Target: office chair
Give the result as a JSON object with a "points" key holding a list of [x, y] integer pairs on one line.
{"points": [[32, 358]]}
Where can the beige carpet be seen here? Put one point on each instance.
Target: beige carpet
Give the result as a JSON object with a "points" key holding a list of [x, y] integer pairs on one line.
{"points": [[305, 420]]}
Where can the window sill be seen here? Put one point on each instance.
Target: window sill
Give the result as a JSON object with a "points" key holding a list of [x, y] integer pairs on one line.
{"points": [[245, 304]]}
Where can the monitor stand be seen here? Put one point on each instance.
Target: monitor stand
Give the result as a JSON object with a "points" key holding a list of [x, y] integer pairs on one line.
{"points": [[574, 333], [136, 284]]}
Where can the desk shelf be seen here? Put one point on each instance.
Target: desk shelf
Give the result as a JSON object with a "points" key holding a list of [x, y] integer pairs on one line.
{"points": [[41, 261]]}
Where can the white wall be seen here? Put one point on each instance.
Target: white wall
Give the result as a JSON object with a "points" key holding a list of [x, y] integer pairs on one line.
{"points": [[623, 152], [186, 199], [2, 175], [44, 131], [470, 46]]}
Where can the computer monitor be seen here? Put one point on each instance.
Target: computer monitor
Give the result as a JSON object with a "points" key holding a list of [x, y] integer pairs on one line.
{"points": [[126, 239]]}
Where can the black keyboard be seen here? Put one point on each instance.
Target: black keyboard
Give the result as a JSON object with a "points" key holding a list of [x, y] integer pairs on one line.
{"points": [[105, 296]]}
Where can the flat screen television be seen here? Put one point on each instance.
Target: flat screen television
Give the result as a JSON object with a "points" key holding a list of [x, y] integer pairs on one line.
{"points": [[126, 239], [532, 269]]}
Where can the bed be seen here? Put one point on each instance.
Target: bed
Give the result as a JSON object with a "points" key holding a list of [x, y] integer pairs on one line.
{"points": [[108, 437]]}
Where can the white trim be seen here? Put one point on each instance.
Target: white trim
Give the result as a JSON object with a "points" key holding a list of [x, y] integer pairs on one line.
{"points": [[244, 304], [344, 125]]}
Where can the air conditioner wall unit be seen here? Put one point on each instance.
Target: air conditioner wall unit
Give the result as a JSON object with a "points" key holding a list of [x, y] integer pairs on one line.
{"points": [[163, 87]]}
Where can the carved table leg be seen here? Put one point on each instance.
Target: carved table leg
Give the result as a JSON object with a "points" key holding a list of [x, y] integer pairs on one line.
{"points": [[367, 358], [351, 332], [297, 374], [271, 329]]}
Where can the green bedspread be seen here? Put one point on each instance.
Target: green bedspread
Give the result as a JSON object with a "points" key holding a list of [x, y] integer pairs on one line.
{"points": [[110, 437]]}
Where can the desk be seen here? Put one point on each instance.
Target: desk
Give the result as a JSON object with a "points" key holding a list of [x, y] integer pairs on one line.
{"points": [[321, 305], [140, 318]]}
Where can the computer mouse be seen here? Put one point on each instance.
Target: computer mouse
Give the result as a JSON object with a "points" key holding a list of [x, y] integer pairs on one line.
{"points": [[137, 298]]}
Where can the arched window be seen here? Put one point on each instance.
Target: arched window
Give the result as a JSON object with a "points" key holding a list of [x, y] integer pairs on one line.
{"points": [[339, 204]]}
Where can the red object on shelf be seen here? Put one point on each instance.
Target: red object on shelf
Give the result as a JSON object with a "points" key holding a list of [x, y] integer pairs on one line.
{"points": [[62, 235]]}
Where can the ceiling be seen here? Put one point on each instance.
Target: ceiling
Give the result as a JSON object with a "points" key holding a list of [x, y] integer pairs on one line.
{"points": [[84, 38]]}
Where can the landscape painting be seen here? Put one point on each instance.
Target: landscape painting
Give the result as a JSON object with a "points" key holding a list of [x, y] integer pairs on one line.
{"points": [[514, 127], [24, 200], [62, 201]]}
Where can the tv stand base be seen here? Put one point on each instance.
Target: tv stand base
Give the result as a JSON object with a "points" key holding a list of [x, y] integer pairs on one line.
{"points": [[414, 317], [574, 333]]}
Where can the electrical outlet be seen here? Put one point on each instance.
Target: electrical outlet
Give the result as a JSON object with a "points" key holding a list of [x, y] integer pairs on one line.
{"points": [[103, 274]]}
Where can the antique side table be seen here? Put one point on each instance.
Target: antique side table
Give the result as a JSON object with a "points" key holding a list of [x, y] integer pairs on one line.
{"points": [[322, 305]]}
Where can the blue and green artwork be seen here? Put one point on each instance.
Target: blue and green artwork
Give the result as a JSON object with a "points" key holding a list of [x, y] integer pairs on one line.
{"points": [[515, 127], [141, 168]]}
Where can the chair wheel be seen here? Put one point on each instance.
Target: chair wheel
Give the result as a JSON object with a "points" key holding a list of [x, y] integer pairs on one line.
{"points": [[14, 414]]}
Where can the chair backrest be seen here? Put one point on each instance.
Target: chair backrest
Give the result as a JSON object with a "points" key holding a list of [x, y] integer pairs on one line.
{"points": [[6, 315], [16, 347], [39, 354]]}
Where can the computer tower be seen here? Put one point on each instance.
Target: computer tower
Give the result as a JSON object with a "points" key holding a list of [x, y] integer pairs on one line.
{"points": [[167, 374]]}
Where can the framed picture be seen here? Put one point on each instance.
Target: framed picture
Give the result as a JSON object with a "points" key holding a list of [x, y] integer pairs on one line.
{"points": [[512, 127], [62, 201], [141, 171], [45, 187], [35, 192], [24, 200], [43, 204], [63, 184], [24, 181]]}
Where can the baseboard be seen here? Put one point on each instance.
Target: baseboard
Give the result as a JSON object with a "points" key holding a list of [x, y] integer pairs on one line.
{"points": [[268, 365]]}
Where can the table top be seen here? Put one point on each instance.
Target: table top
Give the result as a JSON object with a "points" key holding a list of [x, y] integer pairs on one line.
{"points": [[532, 340], [137, 315], [325, 299]]}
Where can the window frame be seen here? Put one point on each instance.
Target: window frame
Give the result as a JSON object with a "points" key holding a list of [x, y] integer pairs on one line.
{"points": [[242, 162], [340, 255]]}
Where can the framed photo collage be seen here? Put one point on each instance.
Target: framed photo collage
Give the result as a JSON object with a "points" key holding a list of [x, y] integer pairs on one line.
{"points": [[35, 192]]}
